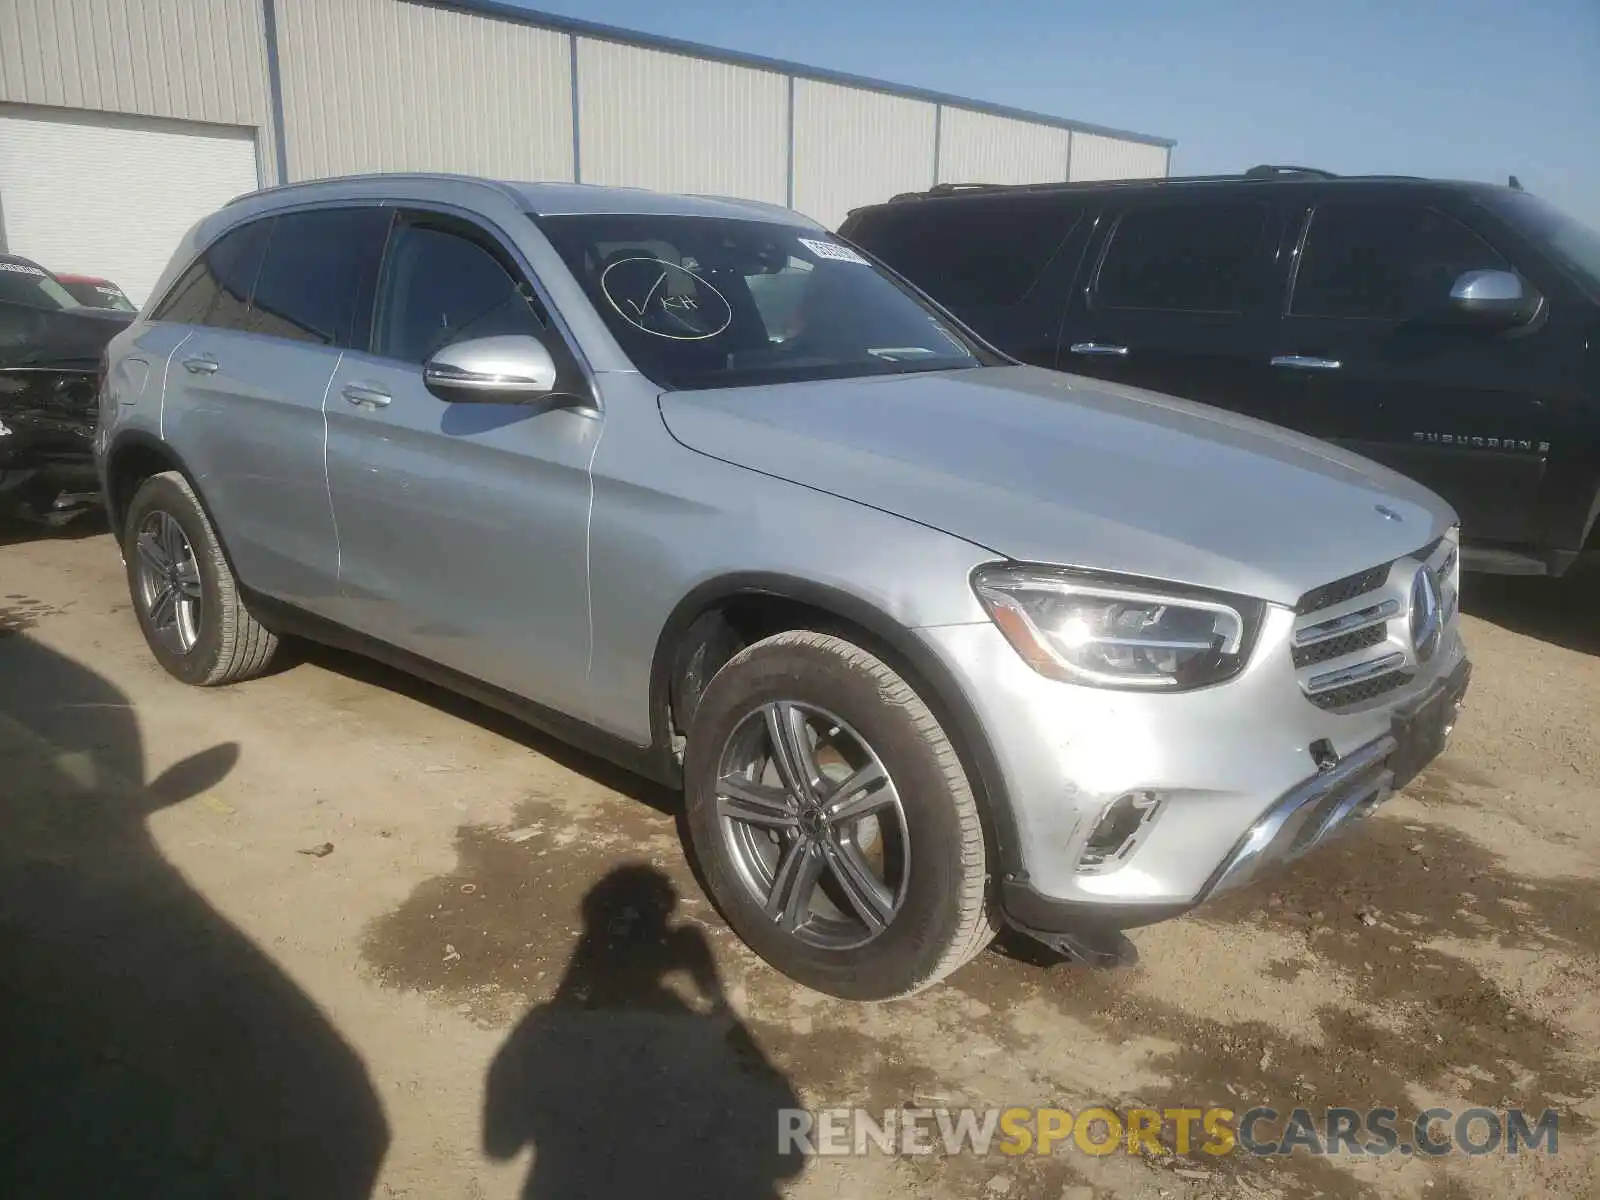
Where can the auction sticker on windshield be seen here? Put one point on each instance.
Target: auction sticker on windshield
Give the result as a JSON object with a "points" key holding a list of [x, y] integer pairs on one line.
{"points": [[833, 251]]}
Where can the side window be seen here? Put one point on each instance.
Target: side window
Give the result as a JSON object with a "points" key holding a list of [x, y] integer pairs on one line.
{"points": [[1182, 258], [1386, 262], [968, 255], [235, 263], [215, 290], [442, 284], [316, 282]]}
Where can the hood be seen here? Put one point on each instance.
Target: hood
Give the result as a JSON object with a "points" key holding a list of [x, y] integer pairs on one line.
{"points": [[68, 337], [1051, 468]]}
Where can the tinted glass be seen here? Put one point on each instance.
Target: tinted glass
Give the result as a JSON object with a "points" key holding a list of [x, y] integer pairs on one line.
{"points": [[967, 254], [1183, 257], [1570, 242], [191, 298], [1384, 261], [235, 262], [317, 280], [23, 282], [215, 290], [441, 286], [701, 302]]}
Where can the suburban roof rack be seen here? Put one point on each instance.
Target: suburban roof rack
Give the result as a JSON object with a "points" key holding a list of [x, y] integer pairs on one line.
{"points": [[1282, 170]]}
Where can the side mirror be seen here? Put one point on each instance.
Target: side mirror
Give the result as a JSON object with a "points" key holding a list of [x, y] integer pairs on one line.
{"points": [[1493, 298], [509, 369]]}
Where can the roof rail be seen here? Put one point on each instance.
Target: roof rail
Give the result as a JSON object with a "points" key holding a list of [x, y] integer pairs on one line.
{"points": [[1281, 170]]}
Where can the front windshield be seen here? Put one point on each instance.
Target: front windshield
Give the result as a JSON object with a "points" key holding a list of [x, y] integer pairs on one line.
{"points": [[705, 302], [23, 283], [1570, 242]]}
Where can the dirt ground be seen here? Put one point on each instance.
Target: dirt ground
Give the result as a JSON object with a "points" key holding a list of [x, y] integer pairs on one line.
{"points": [[333, 933]]}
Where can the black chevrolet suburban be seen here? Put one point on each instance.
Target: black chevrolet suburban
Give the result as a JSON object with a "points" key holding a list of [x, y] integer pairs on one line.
{"points": [[1449, 330]]}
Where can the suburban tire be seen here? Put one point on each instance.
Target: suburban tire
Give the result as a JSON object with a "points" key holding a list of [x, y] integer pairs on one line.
{"points": [[183, 590], [833, 821]]}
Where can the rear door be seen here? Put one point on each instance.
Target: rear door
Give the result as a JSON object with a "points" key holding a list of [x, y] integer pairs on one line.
{"points": [[1003, 264], [1366, 355], [462, 527], [1178, 298], [273, 307]]}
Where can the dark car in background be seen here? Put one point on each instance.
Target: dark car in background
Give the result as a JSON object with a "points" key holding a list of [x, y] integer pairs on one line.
{"points": [[1448, 330], [96, 291], [50, 350]]}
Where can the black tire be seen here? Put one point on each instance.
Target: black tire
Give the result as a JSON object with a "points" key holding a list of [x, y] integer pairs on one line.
{"points": [[946, 914], [231, 644]]}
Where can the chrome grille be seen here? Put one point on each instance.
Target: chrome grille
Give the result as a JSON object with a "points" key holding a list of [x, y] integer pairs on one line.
{"points": [[1352, 644]]}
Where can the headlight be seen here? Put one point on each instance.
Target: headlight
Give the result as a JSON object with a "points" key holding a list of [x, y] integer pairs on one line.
{"points": [[1118, 633]]}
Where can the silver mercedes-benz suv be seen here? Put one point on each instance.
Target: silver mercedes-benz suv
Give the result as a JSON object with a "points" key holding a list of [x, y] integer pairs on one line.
{"points": [[930, 640]]}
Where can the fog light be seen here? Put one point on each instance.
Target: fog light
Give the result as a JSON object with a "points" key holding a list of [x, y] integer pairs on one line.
{"points": [[1121, 827]]}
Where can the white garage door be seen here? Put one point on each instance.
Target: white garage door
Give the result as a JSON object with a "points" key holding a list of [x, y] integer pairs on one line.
{"points": [[102, 194]]}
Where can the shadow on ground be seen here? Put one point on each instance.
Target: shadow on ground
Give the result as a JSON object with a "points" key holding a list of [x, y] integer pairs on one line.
{"points": [[1564, 612], [151, 1050], [636, 1078]]}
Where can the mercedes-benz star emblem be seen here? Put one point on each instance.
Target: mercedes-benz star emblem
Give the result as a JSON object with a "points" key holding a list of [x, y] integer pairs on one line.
{"points": [[1425, 613]]}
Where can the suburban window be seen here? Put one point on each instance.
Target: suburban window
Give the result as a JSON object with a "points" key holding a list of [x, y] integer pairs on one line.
{"points": [[706, 302], [317, 280], [439, 287], [973, 255], [1388, 262], [1182, 257]]}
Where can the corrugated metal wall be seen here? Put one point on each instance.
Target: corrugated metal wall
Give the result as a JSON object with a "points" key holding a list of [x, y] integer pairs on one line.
{"points": [[979, 148], [1097, 157], [647, 118], [195, 60], [854, 147], [376, 85]]}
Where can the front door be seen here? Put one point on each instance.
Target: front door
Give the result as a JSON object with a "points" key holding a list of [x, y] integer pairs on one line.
{"points": [[1179, 299], [1367, 353], [462, 527]]}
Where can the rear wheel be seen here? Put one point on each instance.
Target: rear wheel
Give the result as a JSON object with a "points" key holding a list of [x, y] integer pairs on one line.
{"points": [[184, 593], [833, 820]]}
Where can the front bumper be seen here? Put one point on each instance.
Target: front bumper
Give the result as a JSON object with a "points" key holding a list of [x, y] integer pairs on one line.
{"points": [[1251, 773]]}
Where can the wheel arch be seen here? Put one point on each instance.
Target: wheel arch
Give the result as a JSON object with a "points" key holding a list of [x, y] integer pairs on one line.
{"points": [[714, 620]]}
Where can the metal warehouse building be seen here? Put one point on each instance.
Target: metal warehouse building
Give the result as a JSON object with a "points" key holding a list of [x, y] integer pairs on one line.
{"points": [[124, 121]]}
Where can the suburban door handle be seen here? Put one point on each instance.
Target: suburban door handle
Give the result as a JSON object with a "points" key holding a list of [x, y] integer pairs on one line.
{"points": [[358, 393], [1099, 348], [201, 364], [1300, 362]]}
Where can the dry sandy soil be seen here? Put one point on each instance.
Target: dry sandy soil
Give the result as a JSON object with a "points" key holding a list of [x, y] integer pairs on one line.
{"points": [[326, 935]]}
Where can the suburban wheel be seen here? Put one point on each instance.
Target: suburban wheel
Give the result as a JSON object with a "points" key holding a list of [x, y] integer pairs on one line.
{"points": [[183, 590], [833, 821]]}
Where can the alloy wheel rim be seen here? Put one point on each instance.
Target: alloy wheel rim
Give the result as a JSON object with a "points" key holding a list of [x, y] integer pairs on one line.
{"points": [[814, 824], [169, 582]]}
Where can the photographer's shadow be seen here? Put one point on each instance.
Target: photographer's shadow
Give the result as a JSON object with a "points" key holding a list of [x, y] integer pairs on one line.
{"points": [[152, 1051], [626, 1086]]}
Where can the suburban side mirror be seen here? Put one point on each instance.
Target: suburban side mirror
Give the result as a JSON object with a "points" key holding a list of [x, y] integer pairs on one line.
{"points": [[509, 369], [1494, 298]]}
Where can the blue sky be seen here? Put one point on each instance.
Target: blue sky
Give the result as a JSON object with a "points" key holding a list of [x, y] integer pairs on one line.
{"points": [[1474, 89]]}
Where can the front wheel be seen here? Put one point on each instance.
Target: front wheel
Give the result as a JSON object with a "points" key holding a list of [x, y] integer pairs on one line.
{"points": [[833, 820]]}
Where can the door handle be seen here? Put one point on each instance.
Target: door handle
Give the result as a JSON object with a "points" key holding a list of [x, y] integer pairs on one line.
{"points": [[358, 393], [1099, 349], [201, 364], [1300, 362]]}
